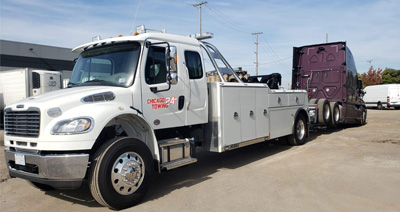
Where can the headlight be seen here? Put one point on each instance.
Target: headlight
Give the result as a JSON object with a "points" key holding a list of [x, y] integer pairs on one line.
{"points": [[73, 126]]}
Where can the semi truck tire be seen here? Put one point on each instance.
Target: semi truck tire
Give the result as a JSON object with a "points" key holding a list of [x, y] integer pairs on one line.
{"points": [[299, 132], [324, 112], [40, 186], [312, 101], [120, 172], [379, 106], [364, 117], [335, 112]]}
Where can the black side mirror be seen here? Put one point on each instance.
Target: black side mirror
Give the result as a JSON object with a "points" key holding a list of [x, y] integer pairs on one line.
{"points": [[359, 84]]}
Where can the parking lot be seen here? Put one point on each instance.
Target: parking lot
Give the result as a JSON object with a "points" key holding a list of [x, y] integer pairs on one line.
{"points": [[348, 169]]}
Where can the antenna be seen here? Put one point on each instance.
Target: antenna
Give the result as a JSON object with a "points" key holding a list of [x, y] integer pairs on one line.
{"points": [[133, 24]]}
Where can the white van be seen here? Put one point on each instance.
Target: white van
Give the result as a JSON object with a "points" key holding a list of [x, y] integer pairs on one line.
{"points": [[381, 96]]}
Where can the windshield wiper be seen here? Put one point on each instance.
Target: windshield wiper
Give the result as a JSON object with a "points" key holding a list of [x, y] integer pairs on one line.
{"points": [[95, 80], [71, 84], [100, 82]]}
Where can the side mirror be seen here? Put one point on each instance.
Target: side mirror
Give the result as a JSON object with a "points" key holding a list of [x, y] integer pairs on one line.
{"points": [[173, 65], [359, 84], [174, 78]]}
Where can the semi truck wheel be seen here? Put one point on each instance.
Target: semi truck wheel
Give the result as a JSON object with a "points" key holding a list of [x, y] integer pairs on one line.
{"points": [[364, 117], [335, 111], [120, 172], [324, 112], [312, 101], [299, 133], [379, 106]]}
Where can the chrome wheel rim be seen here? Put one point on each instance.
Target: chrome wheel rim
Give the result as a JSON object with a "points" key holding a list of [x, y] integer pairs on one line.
{"points": [[327, 112], [300, 129], [336, 115], [127, 173]]}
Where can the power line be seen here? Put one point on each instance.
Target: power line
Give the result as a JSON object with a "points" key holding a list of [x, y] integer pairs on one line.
{"points": [[227, 22]]}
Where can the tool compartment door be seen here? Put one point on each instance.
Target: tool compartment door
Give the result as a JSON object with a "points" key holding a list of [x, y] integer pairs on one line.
{"points": [[230, 107]]}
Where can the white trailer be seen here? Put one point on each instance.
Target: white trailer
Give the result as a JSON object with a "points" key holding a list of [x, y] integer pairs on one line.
{"points": [[382, 96], [19, 84], [139, 104]]}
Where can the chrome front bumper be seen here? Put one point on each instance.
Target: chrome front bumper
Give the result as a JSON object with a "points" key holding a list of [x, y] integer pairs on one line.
{"points": [[61, 171]]}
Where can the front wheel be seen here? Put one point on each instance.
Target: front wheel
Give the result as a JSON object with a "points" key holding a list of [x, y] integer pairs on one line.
{"points": [[299, 133], [120, 173], [379, 106]]}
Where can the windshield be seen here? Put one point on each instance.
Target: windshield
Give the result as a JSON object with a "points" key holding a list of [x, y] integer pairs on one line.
{"points": [[112, 65]]}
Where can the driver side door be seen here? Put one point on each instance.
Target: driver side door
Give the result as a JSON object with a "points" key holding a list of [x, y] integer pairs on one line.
{"points": [[163, 106]]}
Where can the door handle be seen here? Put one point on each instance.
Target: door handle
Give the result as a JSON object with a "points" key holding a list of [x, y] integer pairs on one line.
{"points": [[181, 102]]}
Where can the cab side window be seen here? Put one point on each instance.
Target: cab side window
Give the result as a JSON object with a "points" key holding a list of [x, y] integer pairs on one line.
{"points": [[194, 65], [156, 70]]}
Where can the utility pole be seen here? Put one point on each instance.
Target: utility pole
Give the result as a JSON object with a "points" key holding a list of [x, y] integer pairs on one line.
{"points": [[256, 34], [199, 5], [326, 37]]}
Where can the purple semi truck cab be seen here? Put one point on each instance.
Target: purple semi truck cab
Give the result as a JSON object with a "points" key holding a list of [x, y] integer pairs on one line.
{"points": [[328, 73]]}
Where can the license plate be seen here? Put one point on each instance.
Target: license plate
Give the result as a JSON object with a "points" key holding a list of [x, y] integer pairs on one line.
{"points": [[20, 159]]}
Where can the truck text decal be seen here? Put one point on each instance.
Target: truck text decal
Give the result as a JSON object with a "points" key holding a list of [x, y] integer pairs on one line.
{"points": [[159, 103]]}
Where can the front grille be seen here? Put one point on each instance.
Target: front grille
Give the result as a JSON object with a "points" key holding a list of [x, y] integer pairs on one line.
{"points": [[22, 123]]}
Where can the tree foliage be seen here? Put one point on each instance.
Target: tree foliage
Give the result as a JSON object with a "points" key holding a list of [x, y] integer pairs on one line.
{"points": [[391, 76], [372, 77]]}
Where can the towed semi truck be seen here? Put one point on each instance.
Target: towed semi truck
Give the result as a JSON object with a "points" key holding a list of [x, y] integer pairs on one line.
{"points": [[139, 104], [328, 73]]}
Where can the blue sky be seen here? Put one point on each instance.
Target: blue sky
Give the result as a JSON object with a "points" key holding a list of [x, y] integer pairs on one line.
{"points": [[371, 28]]}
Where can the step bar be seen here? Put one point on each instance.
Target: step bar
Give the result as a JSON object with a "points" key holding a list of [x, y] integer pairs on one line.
{"points": [[176, 152]]}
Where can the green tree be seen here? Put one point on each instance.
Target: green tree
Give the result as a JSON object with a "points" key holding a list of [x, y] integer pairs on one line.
{"points": [[391, 76]]}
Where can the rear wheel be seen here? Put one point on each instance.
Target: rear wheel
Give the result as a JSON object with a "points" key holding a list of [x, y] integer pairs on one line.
{"points": [[312, 101], [120, 173], [379, 106], [335, 111], [324, 112], [299, 133]]}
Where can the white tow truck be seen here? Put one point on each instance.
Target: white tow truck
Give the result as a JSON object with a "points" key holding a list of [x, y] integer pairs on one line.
{"points": [[139, 104]]}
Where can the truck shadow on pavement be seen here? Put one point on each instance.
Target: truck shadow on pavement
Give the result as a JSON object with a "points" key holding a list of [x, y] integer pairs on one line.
{"points": [[208, 164]]}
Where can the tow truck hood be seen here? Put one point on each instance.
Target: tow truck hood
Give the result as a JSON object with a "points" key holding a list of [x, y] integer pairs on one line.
{"points": [[71, 97]]}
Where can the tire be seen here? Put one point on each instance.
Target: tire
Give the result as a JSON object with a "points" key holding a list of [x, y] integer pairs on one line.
{"points": [[324, 112], [120, 172], [299, 132], [335, 112], [312, 101], [364, 117], [40, 186], [380, 106]]}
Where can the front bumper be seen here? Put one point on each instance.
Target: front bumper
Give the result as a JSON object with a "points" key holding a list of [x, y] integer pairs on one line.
{"points": [[61, 171]]}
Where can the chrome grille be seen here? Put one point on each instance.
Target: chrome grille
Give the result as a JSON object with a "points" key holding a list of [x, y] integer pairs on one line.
{"points": [[22, 123]]}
